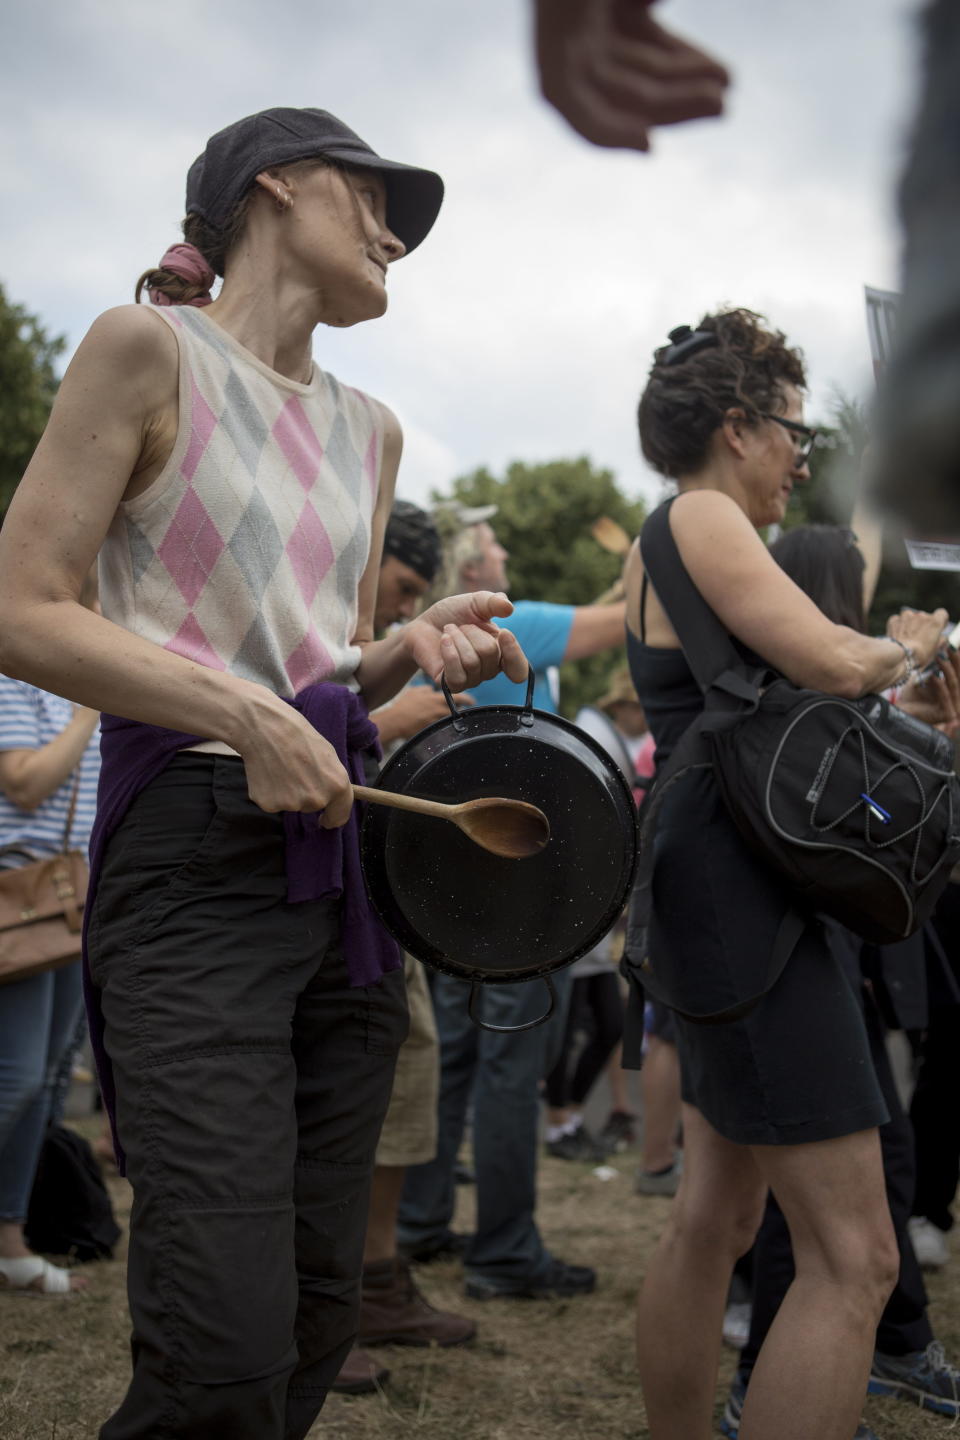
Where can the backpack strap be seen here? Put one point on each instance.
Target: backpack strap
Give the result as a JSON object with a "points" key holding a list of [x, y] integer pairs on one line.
{"points": [[725, 678], [71, 812], [732, 688]]}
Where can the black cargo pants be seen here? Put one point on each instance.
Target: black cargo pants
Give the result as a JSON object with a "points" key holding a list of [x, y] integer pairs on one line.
{"points": [[252, 1081]]}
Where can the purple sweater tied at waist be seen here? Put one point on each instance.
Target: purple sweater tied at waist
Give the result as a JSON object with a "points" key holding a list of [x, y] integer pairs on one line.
{"points": [[319, 862]]}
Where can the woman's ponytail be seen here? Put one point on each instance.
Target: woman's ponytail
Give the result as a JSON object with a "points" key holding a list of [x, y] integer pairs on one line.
{"points": [[183, 277]]}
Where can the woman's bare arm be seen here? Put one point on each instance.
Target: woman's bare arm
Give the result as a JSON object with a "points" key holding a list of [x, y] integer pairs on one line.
{"points": [[762, 607], [28, 777]]}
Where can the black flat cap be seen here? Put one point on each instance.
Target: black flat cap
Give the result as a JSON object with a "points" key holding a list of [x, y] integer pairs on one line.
{"points": [[218, 179]]}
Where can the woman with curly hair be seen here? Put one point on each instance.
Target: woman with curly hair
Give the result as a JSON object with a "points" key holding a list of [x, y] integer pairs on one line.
{"points": [[784, 1097]]}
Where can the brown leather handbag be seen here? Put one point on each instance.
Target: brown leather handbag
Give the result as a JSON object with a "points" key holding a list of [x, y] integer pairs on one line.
{"points": [[41, 909]]}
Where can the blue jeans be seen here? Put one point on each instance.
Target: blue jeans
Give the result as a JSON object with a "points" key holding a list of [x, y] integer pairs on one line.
{"points": [[38, 1021], [502, 1074]]}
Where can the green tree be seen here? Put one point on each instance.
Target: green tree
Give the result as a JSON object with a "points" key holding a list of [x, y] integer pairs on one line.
{"points": [[28, 383], [544, 518]]}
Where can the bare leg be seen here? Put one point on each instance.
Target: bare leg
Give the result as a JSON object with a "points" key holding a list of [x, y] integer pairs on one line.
{"points": [[713, 1220], [385, 1192], [660, 1092], [811, 1374]]}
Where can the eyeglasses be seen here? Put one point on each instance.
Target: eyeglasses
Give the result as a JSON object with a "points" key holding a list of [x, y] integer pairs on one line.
{"points": [[803, 437]]}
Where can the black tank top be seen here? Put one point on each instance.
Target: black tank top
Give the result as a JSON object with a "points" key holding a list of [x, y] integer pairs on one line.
{"points": [[670, 696]]}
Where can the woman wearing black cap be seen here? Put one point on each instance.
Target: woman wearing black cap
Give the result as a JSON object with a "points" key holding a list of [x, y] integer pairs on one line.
{"points": [[784, 1097], [247, 1004]]}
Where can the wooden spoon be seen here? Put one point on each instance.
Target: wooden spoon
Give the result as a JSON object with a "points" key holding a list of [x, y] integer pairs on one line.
{"points": [[510, 828]]}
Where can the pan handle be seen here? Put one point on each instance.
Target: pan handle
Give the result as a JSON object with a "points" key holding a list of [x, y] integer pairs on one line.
{"points": [[512, 1029], [525, 719]]}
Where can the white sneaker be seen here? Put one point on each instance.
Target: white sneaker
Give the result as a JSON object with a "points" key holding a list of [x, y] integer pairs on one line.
{"points": [[929, 1243], [736, 1324]]}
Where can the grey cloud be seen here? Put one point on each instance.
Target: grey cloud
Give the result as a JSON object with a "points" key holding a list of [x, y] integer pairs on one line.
{"points": [[523, 328]]}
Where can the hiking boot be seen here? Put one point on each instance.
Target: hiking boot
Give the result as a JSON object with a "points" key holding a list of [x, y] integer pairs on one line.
{"points": [[556, 1279], [360, 1374], [448, 1246], [925, 1377], [393, 1311], [929, 1243], [730, 1420], [619, 1133]]}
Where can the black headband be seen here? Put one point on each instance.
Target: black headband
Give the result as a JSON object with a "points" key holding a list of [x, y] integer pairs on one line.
{"points": [[685, 343], [411, 537]]}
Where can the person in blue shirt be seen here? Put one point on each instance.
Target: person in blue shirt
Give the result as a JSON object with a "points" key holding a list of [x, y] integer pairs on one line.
{"points": [[550, 634], [506, 1256]]}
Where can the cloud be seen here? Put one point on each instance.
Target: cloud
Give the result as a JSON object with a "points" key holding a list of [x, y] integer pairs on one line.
{"points": [[524, 326]]}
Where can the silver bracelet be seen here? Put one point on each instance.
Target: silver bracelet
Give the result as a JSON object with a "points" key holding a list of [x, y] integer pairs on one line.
{"points": [[911, 668]]}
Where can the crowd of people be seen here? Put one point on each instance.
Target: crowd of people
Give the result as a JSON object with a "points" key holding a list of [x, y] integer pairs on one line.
{"points": [[288, 1093]]}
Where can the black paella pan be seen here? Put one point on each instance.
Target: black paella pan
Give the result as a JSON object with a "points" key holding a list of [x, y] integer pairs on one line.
{"points": [[477, 916]]}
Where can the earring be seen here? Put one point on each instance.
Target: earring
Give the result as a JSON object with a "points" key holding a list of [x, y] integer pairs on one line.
{"points": [[284, 201]]}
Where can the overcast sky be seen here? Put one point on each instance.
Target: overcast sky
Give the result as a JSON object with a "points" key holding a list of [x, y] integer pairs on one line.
{"points": [[524, 326]]}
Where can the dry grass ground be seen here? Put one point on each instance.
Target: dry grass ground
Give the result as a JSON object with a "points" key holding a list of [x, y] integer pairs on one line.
{"points": [[545, 1371]]}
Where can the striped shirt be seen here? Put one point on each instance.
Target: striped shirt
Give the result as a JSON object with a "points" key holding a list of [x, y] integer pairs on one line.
{"points": [[29, 719]]}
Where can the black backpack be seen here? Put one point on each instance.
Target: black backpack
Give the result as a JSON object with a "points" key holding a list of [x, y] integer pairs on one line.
{"points": [[852, 802], [70, 1211]]}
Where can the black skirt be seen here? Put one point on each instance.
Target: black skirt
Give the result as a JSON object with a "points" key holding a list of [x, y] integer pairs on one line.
{"points": [[797, 1067]]}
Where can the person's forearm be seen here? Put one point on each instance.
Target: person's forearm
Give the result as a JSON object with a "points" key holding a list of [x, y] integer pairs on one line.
{"points": [[38, 773], [62, 647], [862, 665], [390, 725], [385, 667]]}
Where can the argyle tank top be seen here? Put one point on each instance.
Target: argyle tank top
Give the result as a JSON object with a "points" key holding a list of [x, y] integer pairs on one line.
{"points": [[246, 552]]}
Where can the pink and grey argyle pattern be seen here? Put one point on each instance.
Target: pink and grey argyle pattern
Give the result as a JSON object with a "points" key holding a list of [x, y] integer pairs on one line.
{"points": [[245, 554]]}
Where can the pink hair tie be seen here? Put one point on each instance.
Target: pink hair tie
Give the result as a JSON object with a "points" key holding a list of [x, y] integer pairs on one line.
{"points": [[187, 262]]}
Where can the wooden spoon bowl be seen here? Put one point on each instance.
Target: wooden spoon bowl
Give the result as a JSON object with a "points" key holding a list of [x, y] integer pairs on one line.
{"points": [[512, 829]]}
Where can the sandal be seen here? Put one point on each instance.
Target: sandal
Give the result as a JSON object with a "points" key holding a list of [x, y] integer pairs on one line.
{"points": [[23, 1273]]}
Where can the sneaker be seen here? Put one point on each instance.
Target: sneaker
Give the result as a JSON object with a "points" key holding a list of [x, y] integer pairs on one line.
{"points": [[576, 1144], [557, 1279], [659, 1182], [394, 1312], [730, 1420], [736, 1324], [448, 1246], [925, 1377], [929, 1243], [619, 1133]]}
